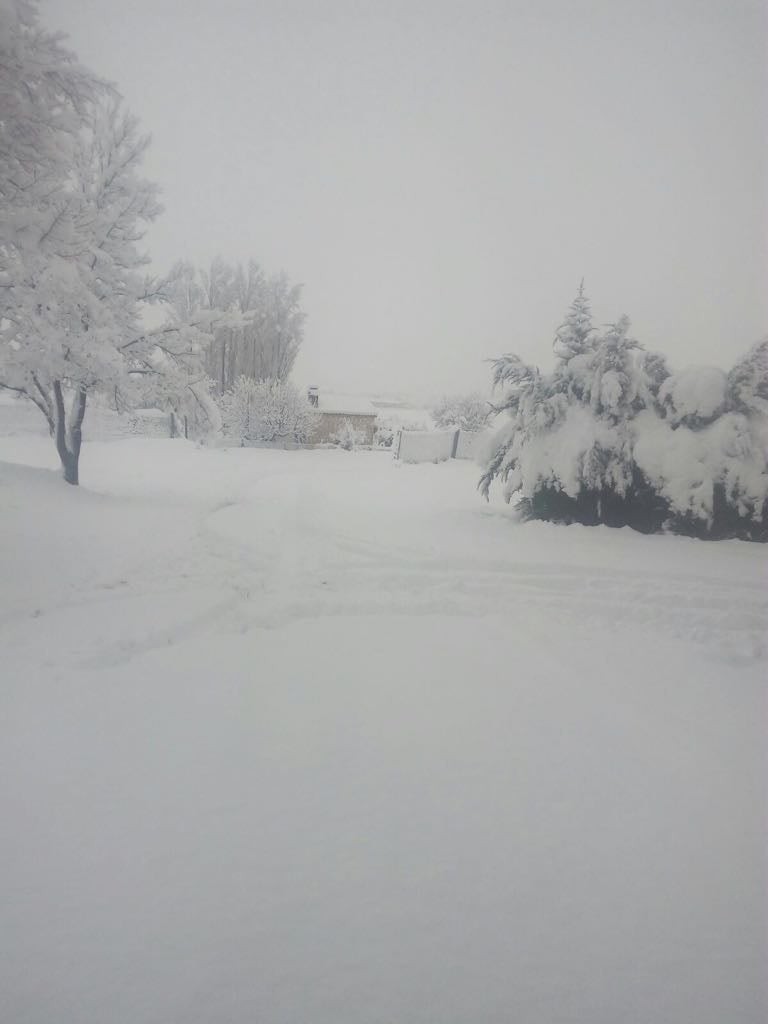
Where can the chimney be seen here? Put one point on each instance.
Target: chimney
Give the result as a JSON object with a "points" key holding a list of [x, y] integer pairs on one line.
{"points": [[313, 394]]}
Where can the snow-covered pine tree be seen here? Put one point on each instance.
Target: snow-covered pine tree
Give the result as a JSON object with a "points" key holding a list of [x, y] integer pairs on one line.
{"points": [[524, 395], [707, 453], [748, 381], [612, 437], [568, 452], [574, 336]]}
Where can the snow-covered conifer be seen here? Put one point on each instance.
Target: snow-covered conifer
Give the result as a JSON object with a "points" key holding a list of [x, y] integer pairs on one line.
{"points": [[612, 437], [574, 335], [748, 381]]}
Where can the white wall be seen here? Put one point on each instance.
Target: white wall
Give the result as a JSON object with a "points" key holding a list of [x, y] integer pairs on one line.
{"points": [[432, 446], [471, 444]]}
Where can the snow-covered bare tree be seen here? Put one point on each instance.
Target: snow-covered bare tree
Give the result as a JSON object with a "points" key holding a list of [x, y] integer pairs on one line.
{"points": [[238, 410], [45, 94], [74, 208], [468, 412], [72, 320], [45, 99], [268, 410], [273, 338], [263, 341]]}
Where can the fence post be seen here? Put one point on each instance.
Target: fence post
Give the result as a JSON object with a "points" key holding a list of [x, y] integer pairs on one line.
{"points": [[455, 447]]}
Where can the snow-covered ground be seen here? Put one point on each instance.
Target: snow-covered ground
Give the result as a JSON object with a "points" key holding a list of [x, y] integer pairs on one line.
{"points": [[303, 737]]}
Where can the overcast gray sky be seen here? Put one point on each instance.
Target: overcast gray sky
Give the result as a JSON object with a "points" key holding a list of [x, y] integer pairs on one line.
{"points": [[441, 174]]}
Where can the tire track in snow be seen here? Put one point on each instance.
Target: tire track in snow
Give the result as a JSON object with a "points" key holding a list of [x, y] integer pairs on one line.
{"points": [[311, 569]]}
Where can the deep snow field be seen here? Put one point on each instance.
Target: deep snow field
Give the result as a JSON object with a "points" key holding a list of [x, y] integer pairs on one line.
{"points": [[319, 738]]}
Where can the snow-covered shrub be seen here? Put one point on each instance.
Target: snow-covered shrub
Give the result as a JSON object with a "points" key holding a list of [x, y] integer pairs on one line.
{"points": [[383, 435], [348, 436], [611, 436], [469, 412], [267, 411]]}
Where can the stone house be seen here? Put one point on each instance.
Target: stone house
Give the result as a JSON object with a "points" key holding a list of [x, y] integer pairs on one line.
{"points": [[336, 410]]}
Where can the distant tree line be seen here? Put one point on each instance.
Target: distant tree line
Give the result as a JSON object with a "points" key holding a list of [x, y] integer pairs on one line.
{"points": [[613, 436], [263, 337]]}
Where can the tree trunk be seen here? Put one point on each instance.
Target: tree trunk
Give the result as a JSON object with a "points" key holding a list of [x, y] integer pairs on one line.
{"points": [[71, 468], [69, 439]]}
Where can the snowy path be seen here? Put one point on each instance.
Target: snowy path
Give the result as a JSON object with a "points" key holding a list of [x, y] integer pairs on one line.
{"points": [[316, 737], [263, 539]]}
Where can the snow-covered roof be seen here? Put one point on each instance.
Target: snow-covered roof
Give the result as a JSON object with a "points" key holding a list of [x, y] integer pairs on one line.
{"points": [[345, 405]]}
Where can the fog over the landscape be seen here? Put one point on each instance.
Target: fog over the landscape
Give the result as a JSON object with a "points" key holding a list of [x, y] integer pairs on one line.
{"points": [[441, 174], [332, 692]]}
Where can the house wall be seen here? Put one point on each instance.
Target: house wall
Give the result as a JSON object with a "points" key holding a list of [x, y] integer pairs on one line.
{"points": [[332, 422]]}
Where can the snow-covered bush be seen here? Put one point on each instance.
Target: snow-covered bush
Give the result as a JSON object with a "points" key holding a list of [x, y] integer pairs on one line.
{"points": [[348, 436], [469, 412], [611, 436], [383, 435], [267, 411]]}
